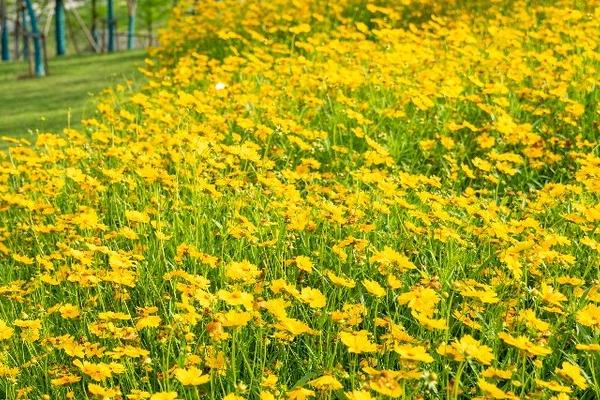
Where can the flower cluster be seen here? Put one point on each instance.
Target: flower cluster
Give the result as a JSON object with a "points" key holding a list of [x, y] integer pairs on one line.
{"points": [[312, 199]]}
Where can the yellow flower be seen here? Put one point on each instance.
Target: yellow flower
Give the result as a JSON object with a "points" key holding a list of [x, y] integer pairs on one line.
{"points": [[359, 395], [413, 353], [358, 342], [553, 386], [69, 311], [492, 372], [467, 348], [304, 263], [326, 382], [236, 298], [65, 380], [149, 321], [300, 394], [137, 216], [164, 396], [234, 318], [588, 347], [589, 316], [340, 281], [102, 392], [243, 271], [390, 257], [97, 372], [302, 28], [23, 259], [374, 288], [233, 396], [269, 381], [572, 372], [386, 383], [30, 329], [493, 391], [6, 331], [263, 395], [294, 326], [191, 376], [523, 343], [313, 297]]}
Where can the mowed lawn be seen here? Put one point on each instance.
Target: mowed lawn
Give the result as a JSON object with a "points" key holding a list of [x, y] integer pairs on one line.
{"points": [[65, 96]]}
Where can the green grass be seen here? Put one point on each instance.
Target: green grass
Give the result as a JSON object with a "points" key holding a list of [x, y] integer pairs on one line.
{"points": [[63, 98]]}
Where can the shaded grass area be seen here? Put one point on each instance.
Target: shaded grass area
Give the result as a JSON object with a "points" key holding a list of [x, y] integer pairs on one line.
{"points": [[63, 98]]}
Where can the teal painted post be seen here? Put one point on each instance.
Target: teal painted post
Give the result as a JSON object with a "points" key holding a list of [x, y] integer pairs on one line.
{"points": [[37, 40], [25, 32], [111, 26], [59, 20], [4, 43], [131, 32]]}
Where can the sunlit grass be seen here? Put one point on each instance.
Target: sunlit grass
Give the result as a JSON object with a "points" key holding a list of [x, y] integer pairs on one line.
{"points": [[63, 98]]}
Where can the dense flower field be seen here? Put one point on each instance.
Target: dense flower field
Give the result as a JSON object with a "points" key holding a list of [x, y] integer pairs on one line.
{"points": [[314, 199]]}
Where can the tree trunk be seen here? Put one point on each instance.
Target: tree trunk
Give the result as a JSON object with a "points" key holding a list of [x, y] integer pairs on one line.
{"points": [[131, 9], [59, 15], [111, 26], [37, 40], [4, 27]]}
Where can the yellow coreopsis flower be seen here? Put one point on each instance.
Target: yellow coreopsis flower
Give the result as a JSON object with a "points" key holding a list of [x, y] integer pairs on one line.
{"points": [[164, 396], [374, 288], [467, 348], [340, 281], [6, 331], [313, 297], [326, 382], [553, 386], [573, 373], [300, 394], [97, 372], [589, 316], [304, 263], [386, 383], [358, 342], [588, 347], [192, 376], [523, 343], [359, 395], [409, 352], [69, 311], [102, 392], [390, 257], [494, 392], [243, 271], [137, 216]]}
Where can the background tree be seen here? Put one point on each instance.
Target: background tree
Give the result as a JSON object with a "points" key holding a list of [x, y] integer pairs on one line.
{"points": [[153, 11]]}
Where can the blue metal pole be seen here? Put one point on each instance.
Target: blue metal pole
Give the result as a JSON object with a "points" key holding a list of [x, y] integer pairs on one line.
{"points": [[131, 32], [4, 43], [59, 15], [111, 26], [37, 40]]}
